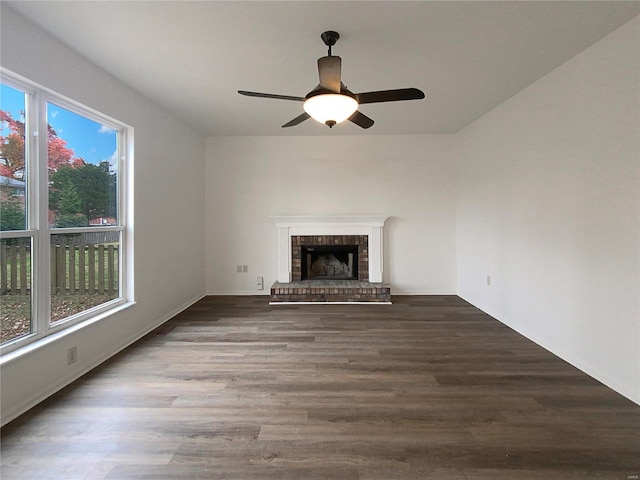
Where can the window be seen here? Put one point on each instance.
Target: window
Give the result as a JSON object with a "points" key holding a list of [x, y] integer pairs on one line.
{"points": [[63, 204]]}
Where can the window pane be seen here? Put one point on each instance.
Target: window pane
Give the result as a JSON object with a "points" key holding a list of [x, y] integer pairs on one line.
{"points": [[82, 160], [85, 272], [13, 159], [15, 288]]}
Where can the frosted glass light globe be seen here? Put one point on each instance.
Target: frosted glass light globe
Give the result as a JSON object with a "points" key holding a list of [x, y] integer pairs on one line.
{"points": [[330, 108]]}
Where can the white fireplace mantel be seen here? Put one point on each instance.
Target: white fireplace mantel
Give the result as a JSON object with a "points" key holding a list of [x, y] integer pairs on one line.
{"points": [[370, 225]]}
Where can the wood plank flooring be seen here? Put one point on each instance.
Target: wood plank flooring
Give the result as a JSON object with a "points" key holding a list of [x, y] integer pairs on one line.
{"points": [[232, 388]]}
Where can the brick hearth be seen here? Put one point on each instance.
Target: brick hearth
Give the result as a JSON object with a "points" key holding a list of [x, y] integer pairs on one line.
{"points": [[330, 291]]}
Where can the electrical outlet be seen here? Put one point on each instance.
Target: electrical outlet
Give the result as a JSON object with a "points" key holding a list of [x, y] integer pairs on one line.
{"points": [[72, 355], [238, 268], [245, 268], [260, 283]]}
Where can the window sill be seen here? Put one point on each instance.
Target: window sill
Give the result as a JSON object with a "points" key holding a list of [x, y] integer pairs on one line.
{"points": [[54, 337]]}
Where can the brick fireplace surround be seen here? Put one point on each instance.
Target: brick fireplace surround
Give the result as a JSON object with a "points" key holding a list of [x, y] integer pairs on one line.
{"points": [[299, 241], [363, 231]]}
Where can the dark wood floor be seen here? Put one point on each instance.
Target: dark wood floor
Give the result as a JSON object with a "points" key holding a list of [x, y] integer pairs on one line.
{"points": [[426, 388]]}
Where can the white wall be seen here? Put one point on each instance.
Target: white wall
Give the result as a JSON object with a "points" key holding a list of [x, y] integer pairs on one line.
{"points": [[168, 198], [548, 206], [409, 178]]}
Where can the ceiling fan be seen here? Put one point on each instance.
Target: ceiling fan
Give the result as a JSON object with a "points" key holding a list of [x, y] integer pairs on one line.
{"points": [[331, 102]]}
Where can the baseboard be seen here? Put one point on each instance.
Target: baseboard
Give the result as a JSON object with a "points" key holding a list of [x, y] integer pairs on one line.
{"points": [[421, 294], [243, 293], [330, 303], [267, 293], [28, 404]]}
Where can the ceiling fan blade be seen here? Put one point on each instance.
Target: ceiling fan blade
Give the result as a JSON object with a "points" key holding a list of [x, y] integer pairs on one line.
{"points": [[297, 120], [389, 95], [270, 95], [329, 71], [361, 120]]}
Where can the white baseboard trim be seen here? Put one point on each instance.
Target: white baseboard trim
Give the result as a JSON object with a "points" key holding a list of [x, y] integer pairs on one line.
{"points": [[266, 293], [258, 293], [422, 294], [330, 303], [17, 410]]}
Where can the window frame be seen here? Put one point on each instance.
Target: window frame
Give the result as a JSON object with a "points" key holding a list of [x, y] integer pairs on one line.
{"points": [[37, 225]]}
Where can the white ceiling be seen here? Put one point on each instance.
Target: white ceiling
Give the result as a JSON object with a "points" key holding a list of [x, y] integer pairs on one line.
{"points": [[193, 56]]}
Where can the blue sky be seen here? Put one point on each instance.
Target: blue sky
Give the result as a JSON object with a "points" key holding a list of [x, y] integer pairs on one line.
{"points": [[88, 139]]}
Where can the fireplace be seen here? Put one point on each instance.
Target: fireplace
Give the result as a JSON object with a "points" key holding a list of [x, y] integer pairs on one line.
{"points": [[331, 259]]}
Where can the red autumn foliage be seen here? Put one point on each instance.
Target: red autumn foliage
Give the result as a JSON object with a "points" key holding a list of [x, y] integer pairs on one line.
{"points": [[12, 149]]}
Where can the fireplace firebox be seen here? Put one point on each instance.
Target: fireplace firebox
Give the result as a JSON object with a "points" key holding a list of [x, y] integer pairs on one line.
{"points": [[329, 262]]}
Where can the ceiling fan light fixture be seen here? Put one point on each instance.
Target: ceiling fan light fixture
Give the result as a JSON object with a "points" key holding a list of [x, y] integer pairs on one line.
{"points": [[330, 108], [330, 102]]}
